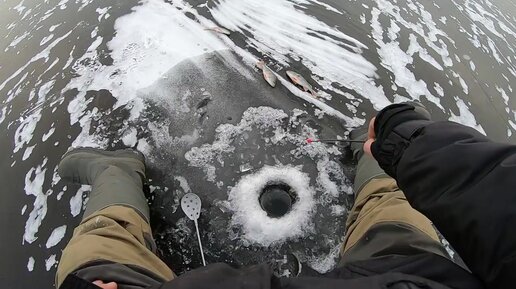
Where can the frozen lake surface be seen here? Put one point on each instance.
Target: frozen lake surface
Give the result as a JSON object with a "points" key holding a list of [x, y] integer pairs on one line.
{"points": [[151, 75]]}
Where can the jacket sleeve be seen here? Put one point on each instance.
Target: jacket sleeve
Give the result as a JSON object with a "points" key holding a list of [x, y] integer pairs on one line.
{"points": [[464, 183]]}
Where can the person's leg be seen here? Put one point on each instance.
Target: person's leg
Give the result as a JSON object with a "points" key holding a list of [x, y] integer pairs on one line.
{"points": [[114, 240], [382, 222]]}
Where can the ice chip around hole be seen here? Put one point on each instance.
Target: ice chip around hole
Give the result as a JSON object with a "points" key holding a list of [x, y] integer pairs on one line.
{"points": [[260, 229]]}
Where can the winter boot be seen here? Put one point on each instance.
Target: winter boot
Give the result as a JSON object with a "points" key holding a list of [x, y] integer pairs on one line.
{"points": [[367, 168], [116, 177]]}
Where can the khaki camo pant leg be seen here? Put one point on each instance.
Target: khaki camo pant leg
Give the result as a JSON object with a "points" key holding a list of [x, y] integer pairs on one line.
{"points": [[382, 222], [115, 234]]}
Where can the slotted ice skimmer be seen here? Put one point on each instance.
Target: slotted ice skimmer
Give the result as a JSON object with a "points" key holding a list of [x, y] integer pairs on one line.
{"points": [[191, 205]]}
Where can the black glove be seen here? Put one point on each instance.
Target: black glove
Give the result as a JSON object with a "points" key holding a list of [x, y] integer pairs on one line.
{"points": [[395, 126]]}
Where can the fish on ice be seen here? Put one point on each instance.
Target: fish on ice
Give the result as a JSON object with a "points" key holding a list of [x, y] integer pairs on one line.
{"points": [[220, 30], [300, 81], [268, 74]]}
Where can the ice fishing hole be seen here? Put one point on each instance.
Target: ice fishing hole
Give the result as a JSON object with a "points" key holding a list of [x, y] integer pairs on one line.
{"points": [[276, 199]]}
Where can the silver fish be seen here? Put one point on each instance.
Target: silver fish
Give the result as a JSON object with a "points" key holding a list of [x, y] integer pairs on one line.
{"points": [[300, 81], [219, 30], [268, 74]]}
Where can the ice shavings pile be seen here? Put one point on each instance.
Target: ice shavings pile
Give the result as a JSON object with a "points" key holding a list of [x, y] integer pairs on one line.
{"points": [[283, 32], [256, 225], [274, 128], [204, 156]]}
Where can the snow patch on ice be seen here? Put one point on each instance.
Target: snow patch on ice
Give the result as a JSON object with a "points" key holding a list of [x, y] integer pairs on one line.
{"points": [[3, 114], [30, 264], [34, 180], [77, 202], [472, 65], [50, 132], [205, 156], [143, 146], [326, 6], [46, 39], [465, 116], [439, 89], [56, 236], [183, 183], [401, 62], [18, 40], [462, 82], [44, 54], [50, 262], [25, 131], [28, 152], [503, 94]]}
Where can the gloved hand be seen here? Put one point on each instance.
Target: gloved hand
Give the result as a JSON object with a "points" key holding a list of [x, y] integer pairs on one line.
{"points": [[391, 131]]}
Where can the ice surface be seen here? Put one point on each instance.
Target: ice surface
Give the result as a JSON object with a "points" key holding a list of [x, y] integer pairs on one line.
{"points": [[18, 40], [465, 117], [44, 54], [142, 53], [257, 226], [331, 55], [56, 236], [399, 61], [205, 156], [326, 186]]}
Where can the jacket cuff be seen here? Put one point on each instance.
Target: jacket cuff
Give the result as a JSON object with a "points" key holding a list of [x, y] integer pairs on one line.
{"points": [[395, 127]]}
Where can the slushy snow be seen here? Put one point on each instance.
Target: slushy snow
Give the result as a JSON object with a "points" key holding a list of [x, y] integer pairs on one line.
{"points": [[257, 227]]}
